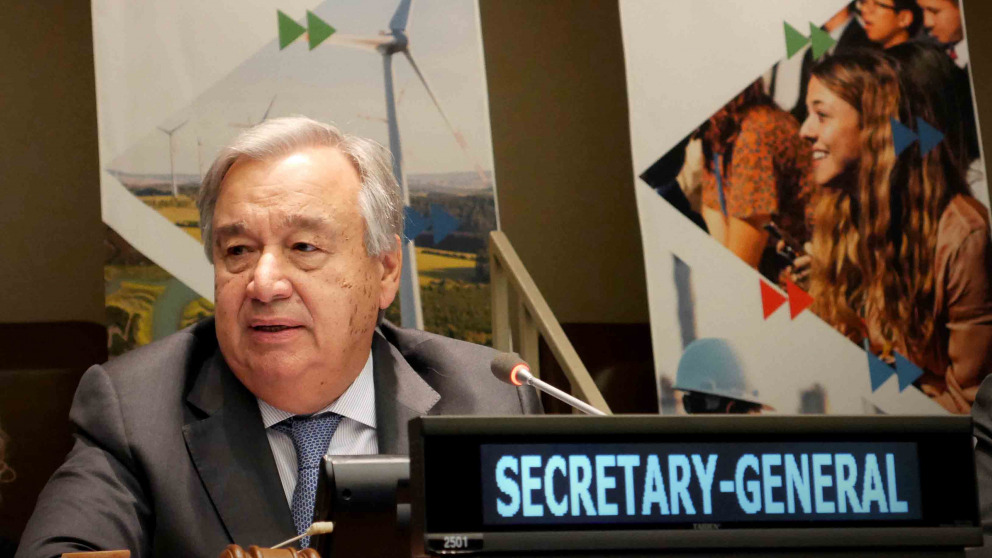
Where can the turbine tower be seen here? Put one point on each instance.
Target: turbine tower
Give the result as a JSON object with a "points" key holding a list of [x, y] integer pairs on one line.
{"points": [[172, 155], [387, 43]]}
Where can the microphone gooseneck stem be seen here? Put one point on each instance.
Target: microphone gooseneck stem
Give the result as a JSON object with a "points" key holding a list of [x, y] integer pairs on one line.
{"points": [[290, 541], [558, 394], [316, 528]]}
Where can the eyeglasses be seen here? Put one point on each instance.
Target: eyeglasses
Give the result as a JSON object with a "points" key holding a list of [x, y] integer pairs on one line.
{"points": [[873, 5]]}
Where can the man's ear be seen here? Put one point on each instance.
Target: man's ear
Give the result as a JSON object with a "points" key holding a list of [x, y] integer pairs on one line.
{"points": [[392, 266], [905, 19]]}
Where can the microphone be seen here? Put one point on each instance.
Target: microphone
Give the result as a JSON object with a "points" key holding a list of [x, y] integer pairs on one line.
{"points": [[510, 368], [315, 528]]}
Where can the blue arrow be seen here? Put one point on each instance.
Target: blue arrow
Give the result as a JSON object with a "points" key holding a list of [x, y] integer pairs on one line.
{"points": [[444, 223], [902, 136], [929, 136], [906, 371], [413, 223], [878, 370]]}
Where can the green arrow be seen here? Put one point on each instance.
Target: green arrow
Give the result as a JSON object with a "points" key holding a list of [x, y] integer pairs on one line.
{"points": [[289, 30], [318, 29], [794, 40], [822, 41]]}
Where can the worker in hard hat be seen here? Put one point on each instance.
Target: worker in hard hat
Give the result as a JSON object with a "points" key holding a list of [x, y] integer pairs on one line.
{"points": [[712, 380]]}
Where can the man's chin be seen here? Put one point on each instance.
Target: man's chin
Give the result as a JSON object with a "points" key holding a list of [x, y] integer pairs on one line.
{"points": [[273, 380]]}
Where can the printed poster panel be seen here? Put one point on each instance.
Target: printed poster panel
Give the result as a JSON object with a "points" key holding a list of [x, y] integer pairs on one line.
{"points": [[813, 205], [178, 80]]}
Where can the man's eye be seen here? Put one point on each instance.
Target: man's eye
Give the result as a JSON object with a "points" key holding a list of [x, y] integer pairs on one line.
{"points": [[238, 250], [304, 247]]}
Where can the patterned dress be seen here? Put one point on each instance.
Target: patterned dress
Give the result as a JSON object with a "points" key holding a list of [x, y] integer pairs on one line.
{"points": [[765, 172]]}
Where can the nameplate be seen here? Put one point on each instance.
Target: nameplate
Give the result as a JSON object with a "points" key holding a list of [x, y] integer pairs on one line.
{"points": [[498, 484]]}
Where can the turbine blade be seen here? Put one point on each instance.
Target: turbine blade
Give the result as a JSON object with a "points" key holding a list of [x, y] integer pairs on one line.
{"points": [[173, 130], [364, 43], [423, 79], [265, 116], [401, 17], [459, 138]]}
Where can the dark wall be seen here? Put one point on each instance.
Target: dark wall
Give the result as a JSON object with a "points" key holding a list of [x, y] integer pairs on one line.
{"points": [[561, 143], [51, 257], [978, 15]]}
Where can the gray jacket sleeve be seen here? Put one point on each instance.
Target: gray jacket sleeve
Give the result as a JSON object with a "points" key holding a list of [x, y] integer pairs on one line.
{"points": [[96, 500]]}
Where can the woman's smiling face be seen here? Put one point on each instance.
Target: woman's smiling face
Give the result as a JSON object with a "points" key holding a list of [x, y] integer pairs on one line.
{"points": [[833, 128]]}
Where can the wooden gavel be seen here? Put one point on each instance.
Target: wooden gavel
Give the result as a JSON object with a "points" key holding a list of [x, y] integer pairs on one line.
{"points": [[235, 551]]}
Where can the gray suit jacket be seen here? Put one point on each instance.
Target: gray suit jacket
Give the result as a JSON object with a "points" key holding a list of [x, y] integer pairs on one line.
{"points": [[171, 458]]}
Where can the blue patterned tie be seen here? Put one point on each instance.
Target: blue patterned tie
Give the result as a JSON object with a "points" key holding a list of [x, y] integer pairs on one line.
{"points": [[311, 435]]}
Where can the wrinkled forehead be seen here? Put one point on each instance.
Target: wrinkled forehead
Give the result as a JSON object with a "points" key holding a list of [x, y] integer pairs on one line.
{"points": [[303, 189], [314, 162], [304, 221], [310, 169]]}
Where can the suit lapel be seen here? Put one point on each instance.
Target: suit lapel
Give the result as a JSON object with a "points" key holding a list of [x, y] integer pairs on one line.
{"points": [[231, 453], [400, 396]]}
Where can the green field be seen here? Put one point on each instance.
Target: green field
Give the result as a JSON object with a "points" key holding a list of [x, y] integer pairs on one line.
{"points": [[180, 211], [454, 304], [145, 303]]}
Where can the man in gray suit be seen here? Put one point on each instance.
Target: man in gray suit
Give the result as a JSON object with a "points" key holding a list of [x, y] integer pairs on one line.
{"points": [[203, 438]]}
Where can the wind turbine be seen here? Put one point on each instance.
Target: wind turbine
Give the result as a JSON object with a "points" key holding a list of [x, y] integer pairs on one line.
{"points": [[265, 117], [172, 155], [386, 43]]}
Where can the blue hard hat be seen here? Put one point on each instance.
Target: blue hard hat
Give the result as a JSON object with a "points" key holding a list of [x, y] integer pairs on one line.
{"points": [[711, 365]]}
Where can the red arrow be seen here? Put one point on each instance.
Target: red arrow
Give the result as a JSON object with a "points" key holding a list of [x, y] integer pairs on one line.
{"points": [[799, 300], [771, 299]]}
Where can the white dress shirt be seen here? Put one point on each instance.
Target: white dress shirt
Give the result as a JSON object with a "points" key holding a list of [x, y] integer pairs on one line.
{"points": [[355, 434], [960, 49]]}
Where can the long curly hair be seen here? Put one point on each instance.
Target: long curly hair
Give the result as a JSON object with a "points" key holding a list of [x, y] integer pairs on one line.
{"points": [[874, 241]]}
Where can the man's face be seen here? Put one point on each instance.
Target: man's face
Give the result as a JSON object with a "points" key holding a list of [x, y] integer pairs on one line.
{"points": [[297, 296], [884, 24], [942, 19]]}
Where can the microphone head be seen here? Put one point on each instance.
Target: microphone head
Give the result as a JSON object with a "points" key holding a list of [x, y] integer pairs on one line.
{"points": [[506, 367]]}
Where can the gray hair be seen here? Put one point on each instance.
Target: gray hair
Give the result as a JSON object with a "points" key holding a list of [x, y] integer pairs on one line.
{"points": [[379, 200]]}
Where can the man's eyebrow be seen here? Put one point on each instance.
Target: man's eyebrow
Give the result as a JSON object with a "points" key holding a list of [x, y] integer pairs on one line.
{"points": [[231, 229], [307, 222]]}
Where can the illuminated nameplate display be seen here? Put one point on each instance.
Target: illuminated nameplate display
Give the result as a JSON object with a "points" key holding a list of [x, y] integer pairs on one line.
{"points": [[531, 484], [519, 485]]}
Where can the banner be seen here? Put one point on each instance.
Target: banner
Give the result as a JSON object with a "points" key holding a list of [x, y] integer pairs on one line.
{"points": [[176, 81], [813, 205]]}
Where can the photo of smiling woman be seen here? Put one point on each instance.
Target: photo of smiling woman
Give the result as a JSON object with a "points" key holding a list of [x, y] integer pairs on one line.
{"points": [[901, 251]]}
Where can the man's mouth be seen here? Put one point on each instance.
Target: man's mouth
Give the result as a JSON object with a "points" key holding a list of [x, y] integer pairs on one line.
{"points": [[817, 155], [273, 328]]}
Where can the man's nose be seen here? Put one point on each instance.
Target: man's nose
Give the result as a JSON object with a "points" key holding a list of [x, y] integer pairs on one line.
{"points": [[268, 281]]}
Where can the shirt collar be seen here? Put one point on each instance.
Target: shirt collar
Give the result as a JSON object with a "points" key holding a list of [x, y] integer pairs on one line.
{"points": [[357, 402], [961, 50]]}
